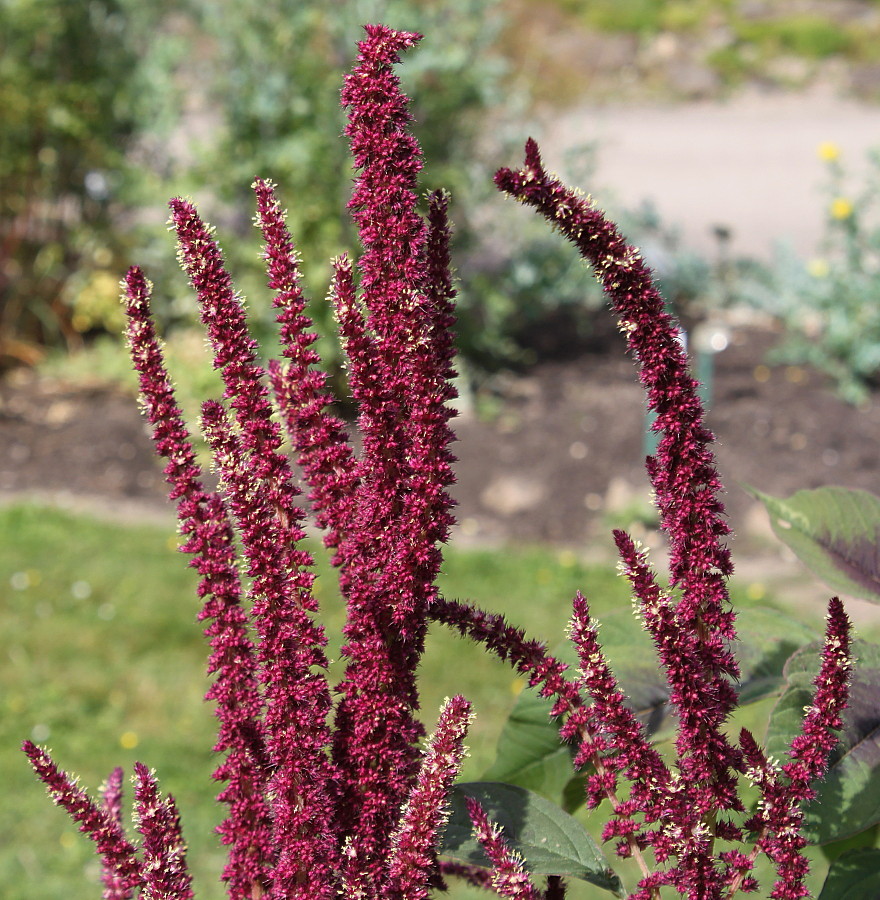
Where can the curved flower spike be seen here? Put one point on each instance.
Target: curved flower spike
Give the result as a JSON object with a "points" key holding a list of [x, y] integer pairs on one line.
{"points": [[117, 854]]}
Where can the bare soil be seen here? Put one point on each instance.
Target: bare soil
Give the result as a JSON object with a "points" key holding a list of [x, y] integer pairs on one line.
{"points": [[555, 454]]}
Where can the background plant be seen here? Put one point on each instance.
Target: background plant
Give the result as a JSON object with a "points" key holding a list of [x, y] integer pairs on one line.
{"points": [[77, 84], [828, 306]]}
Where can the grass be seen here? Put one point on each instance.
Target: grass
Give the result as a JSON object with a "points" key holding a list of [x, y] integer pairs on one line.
{"points": [[104, 662]]}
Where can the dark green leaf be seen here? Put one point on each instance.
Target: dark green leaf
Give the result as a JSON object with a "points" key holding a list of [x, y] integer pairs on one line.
{"points": [[848, 800], [835, 532], [549, 840], [861, 841], [530, 753], [767, 638], [854, 876]]}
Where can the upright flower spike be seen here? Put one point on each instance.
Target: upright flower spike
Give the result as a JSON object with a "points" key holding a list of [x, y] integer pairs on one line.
{"points": [[413, 863], [302, 781], [509, 878], [210, 539], [165, 873], [785, 789], [115, 887], [617, 742], [686, 484], [117, 854], [399, 509], [258, 482], [318, 438]]}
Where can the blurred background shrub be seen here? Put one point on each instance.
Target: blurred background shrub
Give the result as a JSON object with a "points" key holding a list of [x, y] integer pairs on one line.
{"points": [[69, 116], [112, 106], [828, 306]]}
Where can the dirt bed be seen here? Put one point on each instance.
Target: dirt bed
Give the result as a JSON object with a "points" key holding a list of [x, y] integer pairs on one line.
{"points": [[557, 455]]}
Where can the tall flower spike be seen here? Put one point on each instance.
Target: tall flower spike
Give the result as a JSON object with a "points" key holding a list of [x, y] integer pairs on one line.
{"points": [[400, 508], [115, 887], [413, 860], [613, 740], [684, 477], [679, 651], [785, 790], [257, 479], [318, 438], [203, 519], [302, 780], [165, 873], [117, 854], [509, 879]]}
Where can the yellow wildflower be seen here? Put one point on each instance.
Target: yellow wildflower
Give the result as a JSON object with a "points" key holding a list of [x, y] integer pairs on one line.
{"points": [[841, 208], [828, 151], [818, 268]]}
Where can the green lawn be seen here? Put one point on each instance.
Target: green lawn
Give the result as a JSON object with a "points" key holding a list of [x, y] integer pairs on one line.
{"points": [[104, 663]]}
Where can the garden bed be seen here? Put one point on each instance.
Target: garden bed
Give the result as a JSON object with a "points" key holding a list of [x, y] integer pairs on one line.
{"points": [[553, 455]]}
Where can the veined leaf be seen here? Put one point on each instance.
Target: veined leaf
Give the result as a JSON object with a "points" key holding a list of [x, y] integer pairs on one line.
{"points": [[530, 753], [549, 840], [835, 532], [853, 876], [767, 638], [848, 800]]}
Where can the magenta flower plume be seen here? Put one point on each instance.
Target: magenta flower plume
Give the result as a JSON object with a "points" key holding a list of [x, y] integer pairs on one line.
{"points": [[115, 887], [785, 789], [118, 855], [683, 472], [613, 740], [810, 749], [413, 863], [210, 539], [165, 873], [685, 481], [257, 479], [319, 439], [509, 878], [399, 509]]}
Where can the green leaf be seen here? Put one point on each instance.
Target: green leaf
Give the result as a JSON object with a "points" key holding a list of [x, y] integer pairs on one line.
{"points": [[848, 800], [854, 876], [835, 532], [549, 840], [530, 753], [861, 841], [767, 638]]}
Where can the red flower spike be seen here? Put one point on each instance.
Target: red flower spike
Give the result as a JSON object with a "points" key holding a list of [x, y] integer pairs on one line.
{"points": [[785, 789], [210, 539], [115, 887], [399, 509], [297, 701], [413, 862], [509, 878], [165, 873], [319, 439], [101, 825]]}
